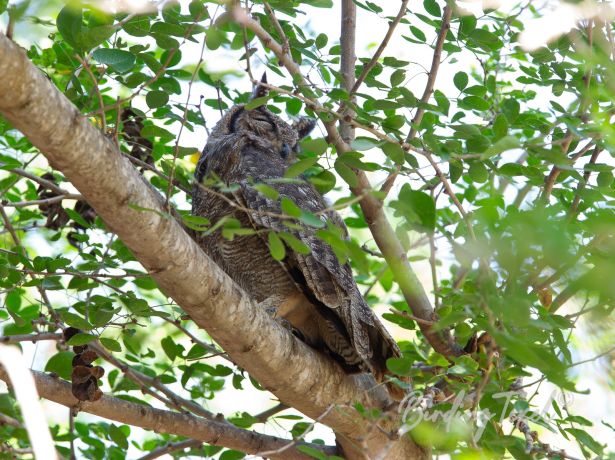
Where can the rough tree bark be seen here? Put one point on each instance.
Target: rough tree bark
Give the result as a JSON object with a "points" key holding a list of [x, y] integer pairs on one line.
{"points": [[296, 374]]}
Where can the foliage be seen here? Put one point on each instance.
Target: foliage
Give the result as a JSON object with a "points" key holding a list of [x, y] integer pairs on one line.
{"points": [[504, 193]]}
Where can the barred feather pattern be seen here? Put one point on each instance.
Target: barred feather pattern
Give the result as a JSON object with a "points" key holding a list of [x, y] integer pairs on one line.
{"points": [[334, 317]]}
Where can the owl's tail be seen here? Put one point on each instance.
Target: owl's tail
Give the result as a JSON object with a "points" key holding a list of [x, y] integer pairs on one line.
{"points": [[383, 347]]}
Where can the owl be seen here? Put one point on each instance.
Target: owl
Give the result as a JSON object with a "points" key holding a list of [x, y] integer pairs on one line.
{"points": [[315, 292]]}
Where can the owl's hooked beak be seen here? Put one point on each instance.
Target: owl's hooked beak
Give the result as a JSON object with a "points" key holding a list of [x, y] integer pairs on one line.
{"points": [[285, 151]]}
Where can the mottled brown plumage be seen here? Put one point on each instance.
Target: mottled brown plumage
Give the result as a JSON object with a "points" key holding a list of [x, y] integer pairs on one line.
{"points": [[315, 292]]}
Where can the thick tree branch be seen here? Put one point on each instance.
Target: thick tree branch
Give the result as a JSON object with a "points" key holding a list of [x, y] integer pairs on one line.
{"points": [[163, 421], [31, 337], [347, 63], [381, 229], [295, 373]]}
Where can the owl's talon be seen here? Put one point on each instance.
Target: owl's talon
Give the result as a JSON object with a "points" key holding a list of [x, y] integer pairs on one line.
{"points": [[273, 313]]}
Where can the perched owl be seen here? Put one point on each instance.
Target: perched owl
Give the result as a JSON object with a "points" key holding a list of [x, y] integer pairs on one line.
{"points": [[315, 292]]}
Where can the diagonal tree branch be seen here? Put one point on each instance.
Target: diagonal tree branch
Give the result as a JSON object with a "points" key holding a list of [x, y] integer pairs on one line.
{"points": [[163, 421], [295, 373]]}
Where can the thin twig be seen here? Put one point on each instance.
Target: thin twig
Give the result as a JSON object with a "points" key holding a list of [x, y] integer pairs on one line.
{"points": [[181, 126], [147, 381], [277, 26], [44, 182], [567, 140], [413, 317], [101, 104], [266, 414], [54, 199], [385, 41], [572, 212], [171, 447], [595, 358], [298, 438], [429, 88]]}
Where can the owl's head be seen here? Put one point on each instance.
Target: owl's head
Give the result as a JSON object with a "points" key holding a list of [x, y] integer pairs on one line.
{"points": [[265, 125]]}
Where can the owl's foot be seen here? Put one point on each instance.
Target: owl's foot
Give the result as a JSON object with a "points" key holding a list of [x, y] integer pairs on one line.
{"points": [[273, 313], [270, 305]]}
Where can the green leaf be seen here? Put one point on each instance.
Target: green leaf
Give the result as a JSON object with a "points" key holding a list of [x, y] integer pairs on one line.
{"points": [[478, 172], [214, 37], [455, 170], [61, 364], [198, 223], [324, 182], [118, 437], [418, 33], [432, 7], [267, 191], [93, 37], [138, 26], [400, 320], [511, 108], [500, 126], [399, 366], [319, 3], [506, 143], [294, 243], [585, 439], [75, 320], [364, 143], [398, 77], [110, 344], [443, 102], [604, 179], [170, 348], [418, 208], [78, 218], [276, 247], [256, 102], [299, 167], [394, 152], [198, 11], [120, 60], [70, 23], [475, 102], [460, 80], [7, 162], [321, 41], [312, 452], [80, 339], [478, 144], [346, 173], [311, 219], [289, 207], [156, 98]]}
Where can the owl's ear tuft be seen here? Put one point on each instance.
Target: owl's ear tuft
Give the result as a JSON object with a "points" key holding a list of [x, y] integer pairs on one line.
{"points": [[260, 90], [304, 126]]}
